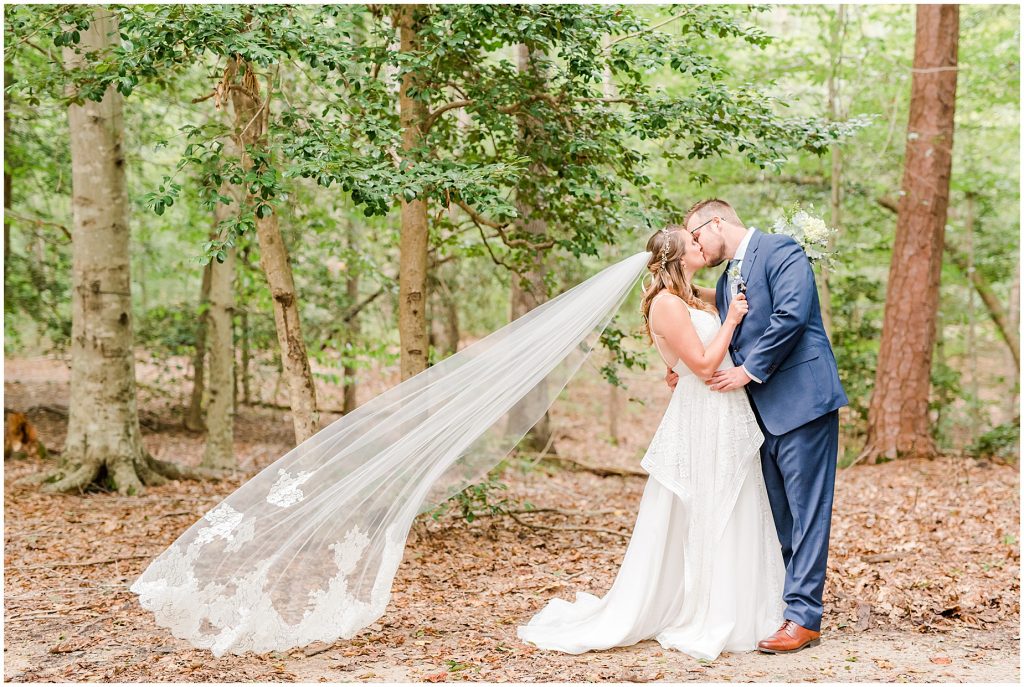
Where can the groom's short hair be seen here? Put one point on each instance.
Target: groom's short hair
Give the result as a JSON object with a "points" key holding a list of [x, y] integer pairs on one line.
{"points": [[709, 207]]}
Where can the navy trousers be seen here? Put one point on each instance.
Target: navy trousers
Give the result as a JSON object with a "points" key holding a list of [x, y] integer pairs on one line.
{"points": [[800, 474]]}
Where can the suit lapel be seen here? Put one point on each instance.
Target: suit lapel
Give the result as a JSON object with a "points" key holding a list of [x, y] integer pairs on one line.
{"points": [[750, 257], [720, 295]]}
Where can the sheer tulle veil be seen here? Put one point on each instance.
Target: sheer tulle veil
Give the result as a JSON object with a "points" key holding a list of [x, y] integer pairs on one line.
{"points": [[307, 549]]}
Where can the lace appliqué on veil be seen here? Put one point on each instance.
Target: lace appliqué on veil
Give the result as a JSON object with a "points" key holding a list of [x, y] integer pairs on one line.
{"points": [[243, 615], [285, 491]]}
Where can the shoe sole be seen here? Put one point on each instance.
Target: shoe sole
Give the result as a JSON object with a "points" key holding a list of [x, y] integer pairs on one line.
{"points": [[808, 645]]}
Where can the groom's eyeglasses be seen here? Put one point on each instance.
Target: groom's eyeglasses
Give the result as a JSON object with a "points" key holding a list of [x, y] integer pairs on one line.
{"points": [[696, 230]]}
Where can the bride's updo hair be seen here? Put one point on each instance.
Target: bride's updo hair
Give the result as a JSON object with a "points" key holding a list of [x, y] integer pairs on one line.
{"points": [[667, 248]]}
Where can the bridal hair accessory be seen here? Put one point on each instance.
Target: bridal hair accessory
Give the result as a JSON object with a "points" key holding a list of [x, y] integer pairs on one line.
{"points": [[307, 549], [663, 257]]}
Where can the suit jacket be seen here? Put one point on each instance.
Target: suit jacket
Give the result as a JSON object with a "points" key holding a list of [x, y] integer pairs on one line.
{"points": [[782, 341]]}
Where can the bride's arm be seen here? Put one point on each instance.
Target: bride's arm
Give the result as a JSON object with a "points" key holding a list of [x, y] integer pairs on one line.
{"points": [[682, 340]]}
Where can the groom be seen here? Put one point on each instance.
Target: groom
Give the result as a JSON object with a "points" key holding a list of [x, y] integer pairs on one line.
{"points": [[784, 359]]}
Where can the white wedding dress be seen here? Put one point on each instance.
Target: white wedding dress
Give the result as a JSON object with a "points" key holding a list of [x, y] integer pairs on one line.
{"points": [[703, 572]]}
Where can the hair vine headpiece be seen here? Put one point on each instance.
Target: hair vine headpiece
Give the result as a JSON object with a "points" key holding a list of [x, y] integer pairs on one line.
{"points": [[663, 257]]}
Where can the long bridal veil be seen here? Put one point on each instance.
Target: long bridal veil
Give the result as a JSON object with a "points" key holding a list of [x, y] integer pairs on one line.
{"points": [[307, 549]]}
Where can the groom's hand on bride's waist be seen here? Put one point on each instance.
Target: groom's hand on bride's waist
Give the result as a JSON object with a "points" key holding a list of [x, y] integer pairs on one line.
{"points": [[728, 380]]}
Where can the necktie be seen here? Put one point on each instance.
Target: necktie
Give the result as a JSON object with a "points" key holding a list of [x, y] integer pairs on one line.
{"points": [[730, 281]]}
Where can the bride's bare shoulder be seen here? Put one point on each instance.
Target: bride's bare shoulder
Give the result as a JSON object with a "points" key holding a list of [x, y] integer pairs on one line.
{"points": [[669, 309]]}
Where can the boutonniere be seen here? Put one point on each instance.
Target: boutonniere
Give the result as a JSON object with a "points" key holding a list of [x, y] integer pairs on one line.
{"points": [[734, 276]]}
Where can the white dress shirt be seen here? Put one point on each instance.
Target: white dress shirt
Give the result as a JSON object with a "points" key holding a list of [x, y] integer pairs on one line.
{"points": [[741, 251]]}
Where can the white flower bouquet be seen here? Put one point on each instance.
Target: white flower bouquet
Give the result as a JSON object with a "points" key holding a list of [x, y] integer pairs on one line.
{"points": [[811, 232]]}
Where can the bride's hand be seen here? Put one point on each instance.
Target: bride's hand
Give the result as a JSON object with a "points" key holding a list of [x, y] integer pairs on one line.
{"points": [[738, 309]]}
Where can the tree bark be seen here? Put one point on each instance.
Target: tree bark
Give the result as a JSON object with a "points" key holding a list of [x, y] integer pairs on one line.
{"points": [[194, 414], [529, 290], [898, 419], [104, 442], [7, 175], [972, 350], [412, 273], [251, 117], [352, 330], [443, 318], [1007, 324], [835, 110], [991, 301], [219, 452], [244, 335]]}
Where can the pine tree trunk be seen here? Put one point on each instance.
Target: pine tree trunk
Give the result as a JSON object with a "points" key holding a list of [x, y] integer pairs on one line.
{"points": [[219, 452], [898, 419], [194, 414], [530, 291], [412, 271], [251, 117], [104, 443]]}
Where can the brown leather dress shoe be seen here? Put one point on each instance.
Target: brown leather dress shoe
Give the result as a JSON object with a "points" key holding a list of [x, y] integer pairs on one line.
{"points": [[789, 638]]}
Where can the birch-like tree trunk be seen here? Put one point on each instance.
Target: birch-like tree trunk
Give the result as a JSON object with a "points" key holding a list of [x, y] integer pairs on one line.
{"points": [[104, 443], [219, 452], [529, 290], [194, 414], [412, 270], [251, 117], [898, 418]]}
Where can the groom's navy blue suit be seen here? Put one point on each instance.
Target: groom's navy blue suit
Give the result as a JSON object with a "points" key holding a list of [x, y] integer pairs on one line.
{"points": [[782, 343]]}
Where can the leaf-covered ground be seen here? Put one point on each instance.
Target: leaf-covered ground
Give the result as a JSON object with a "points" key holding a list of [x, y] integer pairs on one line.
{"points": [[923, 581]]}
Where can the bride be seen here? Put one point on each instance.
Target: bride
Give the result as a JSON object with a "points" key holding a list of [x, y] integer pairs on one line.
{"points": [[307, 549], [703, 572]]}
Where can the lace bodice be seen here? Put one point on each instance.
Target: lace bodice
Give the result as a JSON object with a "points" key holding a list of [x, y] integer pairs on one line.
{"points": [[705, 323]]}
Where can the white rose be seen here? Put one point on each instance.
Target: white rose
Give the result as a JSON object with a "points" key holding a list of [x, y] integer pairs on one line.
{"points": [[815, 231]]}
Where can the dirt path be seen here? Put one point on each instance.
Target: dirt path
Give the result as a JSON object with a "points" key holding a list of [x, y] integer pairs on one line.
{"points": [[923, 579]]}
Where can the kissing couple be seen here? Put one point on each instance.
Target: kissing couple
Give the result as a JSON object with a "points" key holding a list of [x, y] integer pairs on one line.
{"points": [[731, 539], [729, 548]]}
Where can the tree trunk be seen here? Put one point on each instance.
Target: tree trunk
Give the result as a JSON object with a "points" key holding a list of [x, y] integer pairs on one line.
{"points": [[450, 323], [530, 290], [243, 325], [940, 360], [835, 110], [898, 419], [219, 452], [443, 319], [1007, 324], [7, 175], [251, 117], [972, 350], [194, 414], [412, 270], [352, 331], [614, 411], [104, 442], [1014, 321], [1008, 331]]}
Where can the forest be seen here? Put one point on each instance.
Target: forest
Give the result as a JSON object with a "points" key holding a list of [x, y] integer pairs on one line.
{"points": [[227, 226]]}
